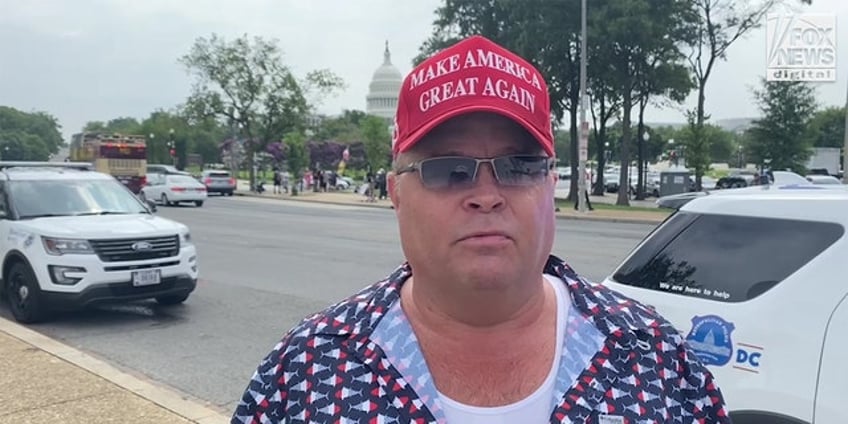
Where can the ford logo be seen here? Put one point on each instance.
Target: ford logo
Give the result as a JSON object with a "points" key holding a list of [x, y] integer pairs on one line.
{"points": [[141, 246]]}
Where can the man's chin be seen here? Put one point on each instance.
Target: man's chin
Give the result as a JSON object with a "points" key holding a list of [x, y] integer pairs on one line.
{"points": [[489, 273]]}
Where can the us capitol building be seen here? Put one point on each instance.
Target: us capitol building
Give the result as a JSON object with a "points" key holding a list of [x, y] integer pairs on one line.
{"points": [[383, 91]]}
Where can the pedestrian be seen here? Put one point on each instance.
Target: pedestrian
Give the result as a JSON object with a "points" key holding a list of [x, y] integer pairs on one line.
{"points": [[278, 181], [381, 184], [588, 174], [481, 323]]}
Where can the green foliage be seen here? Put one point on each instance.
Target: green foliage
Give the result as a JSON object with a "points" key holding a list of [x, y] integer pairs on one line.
{"points": [[547, 33], [827, 128], [696, 141], [297, 158], [634, 57], [28, 136], [123, 125], [544, 32], [344, 128], [377, 141], [779, 136], [18, 145], [166, 128]]}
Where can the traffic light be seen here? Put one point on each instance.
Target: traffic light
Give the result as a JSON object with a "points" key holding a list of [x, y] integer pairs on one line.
{"points": [[173, 152]]}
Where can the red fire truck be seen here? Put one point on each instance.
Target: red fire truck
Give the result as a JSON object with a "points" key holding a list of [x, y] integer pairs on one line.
{"points": [[122, 156]]}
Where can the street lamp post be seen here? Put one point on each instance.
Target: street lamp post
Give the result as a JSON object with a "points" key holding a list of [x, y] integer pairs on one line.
{"points": [[739, 155], [584, 124]]}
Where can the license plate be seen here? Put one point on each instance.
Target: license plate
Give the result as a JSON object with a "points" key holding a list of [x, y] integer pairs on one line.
{"points": [[147, 277]]}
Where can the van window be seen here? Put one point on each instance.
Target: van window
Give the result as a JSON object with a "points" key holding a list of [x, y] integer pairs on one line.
{"points": [[219, 174], [724, 258]]}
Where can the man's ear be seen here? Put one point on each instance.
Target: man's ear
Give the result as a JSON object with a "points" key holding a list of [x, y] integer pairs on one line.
{"points": [[391, 184]]}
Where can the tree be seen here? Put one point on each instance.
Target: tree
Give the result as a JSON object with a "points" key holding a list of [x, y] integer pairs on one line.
{"points": [[787, 108], [28, 136], [660, 76], [660, 23], [724, 146], [297, 157], [246, 83], [827, 128], [720, 23], [607, 102], [19, 145], [344, 128], [377, 141]]}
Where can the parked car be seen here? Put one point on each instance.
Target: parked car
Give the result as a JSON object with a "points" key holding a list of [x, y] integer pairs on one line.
{"points": [[344, 183], [218, 181], [173, 189], [732, 181], [164, 169], [823, 179], [754, 279], [73, 238]]}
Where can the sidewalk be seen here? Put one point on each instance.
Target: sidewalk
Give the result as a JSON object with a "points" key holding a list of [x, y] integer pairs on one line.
{"points": [[45, 381], [348, 198]]}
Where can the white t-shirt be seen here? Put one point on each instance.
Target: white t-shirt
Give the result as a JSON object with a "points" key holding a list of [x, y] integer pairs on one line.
{"points": [[537, 407]]}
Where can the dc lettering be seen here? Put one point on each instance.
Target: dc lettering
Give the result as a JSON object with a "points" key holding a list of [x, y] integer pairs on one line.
{"points": [[751, 359]]}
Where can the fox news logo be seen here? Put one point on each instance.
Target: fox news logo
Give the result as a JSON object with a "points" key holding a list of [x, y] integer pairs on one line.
{"points": [[801, 47]]}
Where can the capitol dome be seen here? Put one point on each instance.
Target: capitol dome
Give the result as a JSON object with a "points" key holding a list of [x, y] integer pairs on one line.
{"points": [[383, 91]]}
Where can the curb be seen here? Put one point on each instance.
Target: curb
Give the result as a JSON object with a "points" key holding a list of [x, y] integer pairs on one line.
{"points": [[163, 397], [378, 206]]}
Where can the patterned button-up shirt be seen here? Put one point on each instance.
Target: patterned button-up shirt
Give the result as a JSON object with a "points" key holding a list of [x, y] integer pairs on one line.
{"points": [[359, 362]]}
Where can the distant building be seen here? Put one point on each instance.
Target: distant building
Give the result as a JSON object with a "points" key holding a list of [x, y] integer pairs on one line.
{"points": [[383, 91]]}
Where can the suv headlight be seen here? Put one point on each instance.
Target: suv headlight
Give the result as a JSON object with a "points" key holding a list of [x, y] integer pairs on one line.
{"points": [[185, 239], [59, 246]]}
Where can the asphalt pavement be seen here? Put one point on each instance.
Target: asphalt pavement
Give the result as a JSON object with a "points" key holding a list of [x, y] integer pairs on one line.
{"points": [[264, 265]]}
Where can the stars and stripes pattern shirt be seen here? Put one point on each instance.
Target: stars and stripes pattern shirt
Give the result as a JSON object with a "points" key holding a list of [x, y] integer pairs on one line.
{"points": [[359, 362]]}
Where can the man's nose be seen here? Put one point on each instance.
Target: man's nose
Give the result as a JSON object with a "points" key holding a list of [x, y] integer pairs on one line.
{"points": [[485, 195]]}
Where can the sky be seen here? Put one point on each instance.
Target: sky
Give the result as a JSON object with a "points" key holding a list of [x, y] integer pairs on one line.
{"points": [[86, 60]]}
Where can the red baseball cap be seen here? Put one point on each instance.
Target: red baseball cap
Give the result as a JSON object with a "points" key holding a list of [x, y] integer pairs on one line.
{"points": [[473, 75]]}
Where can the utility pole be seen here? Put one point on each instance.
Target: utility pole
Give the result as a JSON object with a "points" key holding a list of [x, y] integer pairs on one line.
{"points": [[583, 149]]}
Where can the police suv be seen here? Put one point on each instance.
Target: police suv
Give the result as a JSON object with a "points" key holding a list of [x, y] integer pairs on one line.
{"points": [[755, 280], [71, 237]]}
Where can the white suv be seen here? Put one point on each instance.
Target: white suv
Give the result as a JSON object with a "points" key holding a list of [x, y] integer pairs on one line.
{"points": [[72, 238], [755, 280]]}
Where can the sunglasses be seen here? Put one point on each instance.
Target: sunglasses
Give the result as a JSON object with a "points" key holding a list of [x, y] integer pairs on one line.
{"points": [[449, 172]]}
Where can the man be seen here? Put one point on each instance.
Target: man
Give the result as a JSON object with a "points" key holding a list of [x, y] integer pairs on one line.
{"points": [[481, 325]]}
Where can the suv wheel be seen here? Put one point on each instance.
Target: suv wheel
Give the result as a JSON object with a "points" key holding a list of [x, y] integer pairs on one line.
{"points": [[24, 295], [172, 300]]}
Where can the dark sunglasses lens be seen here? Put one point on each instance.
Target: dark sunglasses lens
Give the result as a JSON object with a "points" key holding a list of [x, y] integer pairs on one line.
{"points": [[521, 170], [447, 172]]}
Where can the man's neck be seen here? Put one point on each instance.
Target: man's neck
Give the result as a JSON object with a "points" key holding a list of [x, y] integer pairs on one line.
{"points": [[481, 311], [483, 353]]}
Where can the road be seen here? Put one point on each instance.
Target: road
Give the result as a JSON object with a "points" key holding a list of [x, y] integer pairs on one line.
{"points": [[265, 264]]}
